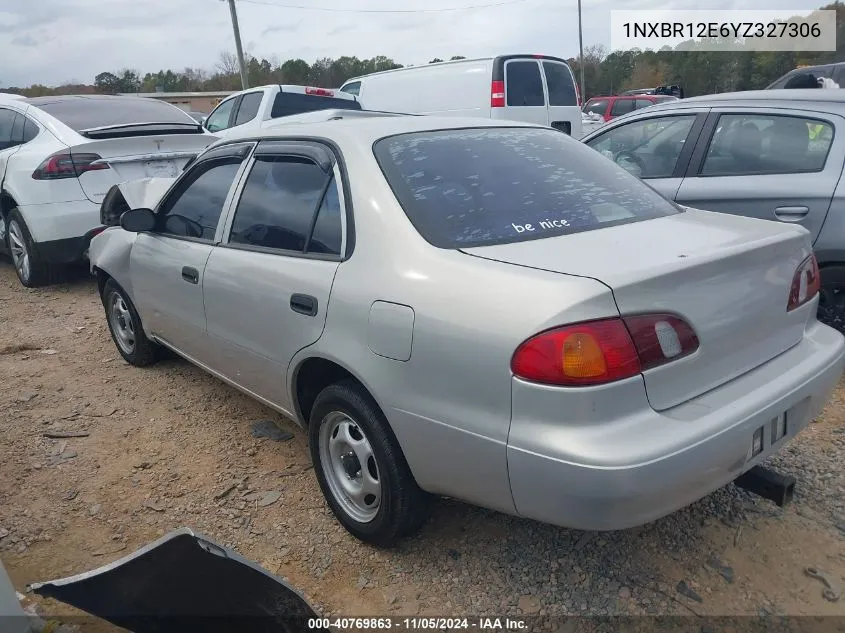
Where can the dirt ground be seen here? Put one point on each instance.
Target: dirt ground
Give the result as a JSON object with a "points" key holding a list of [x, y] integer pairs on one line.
{"points": [[169, 446]]}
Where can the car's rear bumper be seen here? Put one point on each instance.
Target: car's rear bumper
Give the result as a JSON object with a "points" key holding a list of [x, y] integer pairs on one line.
{"points": [[596, 463]]}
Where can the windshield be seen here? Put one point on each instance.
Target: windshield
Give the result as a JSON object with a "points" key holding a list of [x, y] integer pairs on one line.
{"points": [[475, 187]]}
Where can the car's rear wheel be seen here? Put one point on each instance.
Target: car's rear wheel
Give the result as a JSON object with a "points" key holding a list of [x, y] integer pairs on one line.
{"points": [[832, 297], [31, 269], [125, 327], [360, 467]]}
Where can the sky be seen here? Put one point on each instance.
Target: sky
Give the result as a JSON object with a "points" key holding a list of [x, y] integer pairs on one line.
{"points": [[53, 42]]}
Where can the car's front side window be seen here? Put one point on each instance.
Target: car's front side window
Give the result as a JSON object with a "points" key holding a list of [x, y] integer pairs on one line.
{"points": [[353, 89], [219, 119], [648, 148], [288, 204], [194, 208], [598, 106]]}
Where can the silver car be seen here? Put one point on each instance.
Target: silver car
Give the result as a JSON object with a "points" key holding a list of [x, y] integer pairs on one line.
{"points": [[483, 310], [771, 154]]}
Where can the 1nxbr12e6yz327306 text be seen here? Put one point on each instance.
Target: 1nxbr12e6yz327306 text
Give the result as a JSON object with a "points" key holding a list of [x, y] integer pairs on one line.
{"points": [[664, 30]]}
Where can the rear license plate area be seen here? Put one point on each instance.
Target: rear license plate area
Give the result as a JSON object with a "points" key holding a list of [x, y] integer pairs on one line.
{"points": [[770, 434], [160, 168]]}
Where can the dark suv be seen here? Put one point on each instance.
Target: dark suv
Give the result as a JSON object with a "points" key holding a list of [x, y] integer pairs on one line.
{"points": [[808, 76]]}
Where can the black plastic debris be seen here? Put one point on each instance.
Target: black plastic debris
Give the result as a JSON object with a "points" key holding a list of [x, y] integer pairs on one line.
{"points": [[185, 582]]}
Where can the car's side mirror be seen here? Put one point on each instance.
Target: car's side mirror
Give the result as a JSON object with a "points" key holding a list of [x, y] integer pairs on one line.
{"points": [[203, 121], [138, 220]]}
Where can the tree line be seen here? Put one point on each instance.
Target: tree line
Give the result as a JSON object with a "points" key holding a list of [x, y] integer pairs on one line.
{"points": [[697, 71]]}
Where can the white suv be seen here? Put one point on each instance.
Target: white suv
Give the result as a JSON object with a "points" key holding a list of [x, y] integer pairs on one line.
{"points": [[261, 106], [60, 155]]}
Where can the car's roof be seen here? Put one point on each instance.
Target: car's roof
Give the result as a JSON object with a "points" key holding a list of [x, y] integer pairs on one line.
{"points": [[783, 94], [38, 101], [369, 130], [826, 99]]}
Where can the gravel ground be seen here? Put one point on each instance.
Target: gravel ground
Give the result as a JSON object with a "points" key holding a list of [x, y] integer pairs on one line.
{"points": [[170, 446]]}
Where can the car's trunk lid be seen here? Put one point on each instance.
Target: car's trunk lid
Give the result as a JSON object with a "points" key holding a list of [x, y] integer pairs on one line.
{"points": [[154, 155], [728, 276]]}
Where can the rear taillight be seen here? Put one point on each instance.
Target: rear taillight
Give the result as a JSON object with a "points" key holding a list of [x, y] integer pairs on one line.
{"points": [[497, 94], [598, 352], [805, 283], [67, 165], [319, 92], [660, 338]]}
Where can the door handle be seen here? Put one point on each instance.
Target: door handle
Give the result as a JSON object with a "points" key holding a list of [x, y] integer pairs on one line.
{"points": [[191, 275], [304, 304], [791, 214]]}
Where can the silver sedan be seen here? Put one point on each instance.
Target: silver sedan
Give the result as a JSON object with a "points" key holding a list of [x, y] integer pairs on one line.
{"points": [[488, 311]]}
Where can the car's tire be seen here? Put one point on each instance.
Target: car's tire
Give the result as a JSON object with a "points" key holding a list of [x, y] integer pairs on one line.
{"points": [[125, 327], [355, 454], [832, 297], [31, 269]]}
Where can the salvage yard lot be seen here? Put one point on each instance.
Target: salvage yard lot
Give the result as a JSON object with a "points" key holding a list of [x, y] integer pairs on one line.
{"points": [[169, 446]]}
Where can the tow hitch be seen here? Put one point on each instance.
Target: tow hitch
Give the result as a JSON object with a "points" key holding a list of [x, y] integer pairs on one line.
{"points": [[768, 484]]}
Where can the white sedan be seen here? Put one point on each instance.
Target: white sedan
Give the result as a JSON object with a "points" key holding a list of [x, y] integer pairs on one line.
{"points": [[60, 155]]}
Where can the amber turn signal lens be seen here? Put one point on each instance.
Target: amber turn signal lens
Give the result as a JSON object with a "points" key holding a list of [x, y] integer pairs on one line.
{"points": [[582, 356]]}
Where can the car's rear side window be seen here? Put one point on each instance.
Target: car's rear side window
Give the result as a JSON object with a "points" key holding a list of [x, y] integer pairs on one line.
{"points": [[560, 84], [248, 109], [288, 204], [622, 106], [289, 103], [523, 83], [481, 186], [81, 113]]}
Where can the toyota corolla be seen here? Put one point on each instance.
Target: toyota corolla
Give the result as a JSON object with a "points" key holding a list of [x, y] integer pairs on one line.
{"points": [[488, 311]]}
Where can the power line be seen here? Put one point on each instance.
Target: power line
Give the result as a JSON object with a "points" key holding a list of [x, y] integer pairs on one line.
{"points": [[337, 10]]}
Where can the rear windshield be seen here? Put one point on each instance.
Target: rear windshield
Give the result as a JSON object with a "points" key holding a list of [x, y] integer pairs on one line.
{"points": [[482, 186], [289, 103], [82, 114]]}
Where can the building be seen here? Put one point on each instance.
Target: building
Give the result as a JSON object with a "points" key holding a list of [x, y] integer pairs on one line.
{"points": [[188, 101]]}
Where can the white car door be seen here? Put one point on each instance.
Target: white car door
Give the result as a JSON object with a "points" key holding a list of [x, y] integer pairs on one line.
{"points": [[245, 112]]}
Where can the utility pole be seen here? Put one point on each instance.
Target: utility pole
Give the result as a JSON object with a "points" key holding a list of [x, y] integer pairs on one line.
{"points": [[580, 51], [239, 48]]}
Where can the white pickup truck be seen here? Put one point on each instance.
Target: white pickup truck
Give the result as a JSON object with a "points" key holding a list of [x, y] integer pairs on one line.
{"points": [[258, 107]]}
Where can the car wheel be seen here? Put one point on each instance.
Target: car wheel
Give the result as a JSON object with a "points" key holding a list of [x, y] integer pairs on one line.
{"points": [[832, 297], [360, 467], [32, 271], [125, 327]]}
